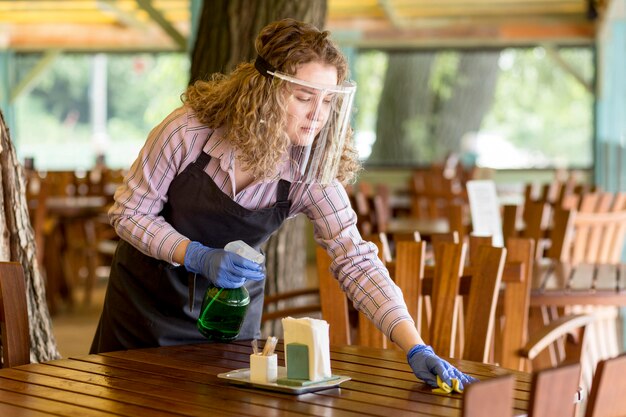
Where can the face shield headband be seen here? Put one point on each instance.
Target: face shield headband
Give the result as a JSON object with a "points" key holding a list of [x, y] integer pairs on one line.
{"points": [[318, 121]]}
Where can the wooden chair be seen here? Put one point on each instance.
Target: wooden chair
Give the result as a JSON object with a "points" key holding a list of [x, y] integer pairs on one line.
{"points": [[368, 333], [607, 398], [482, 301], [514, 306], [593, 236], [293, 303], [449, 261], [554, 392], [572, 326], [408, 274], [13, 316], [347, 328], [432, 192], [489, 397], [510, 221], [334, 303], [479, 313], [595, 233], [532, 221]]}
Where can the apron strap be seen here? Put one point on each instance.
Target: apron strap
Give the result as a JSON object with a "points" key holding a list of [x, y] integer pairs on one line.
{"points": [[203, 160], [282, 193]]}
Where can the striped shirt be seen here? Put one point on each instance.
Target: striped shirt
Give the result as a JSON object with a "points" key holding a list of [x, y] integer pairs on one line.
{"points": [[178, 140]]}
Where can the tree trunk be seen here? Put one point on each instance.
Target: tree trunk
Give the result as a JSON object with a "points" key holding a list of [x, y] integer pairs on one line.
{"points": [[226, 34], [471, 99], [17, 244], [227, 30], [404, 109], [416, 123]]}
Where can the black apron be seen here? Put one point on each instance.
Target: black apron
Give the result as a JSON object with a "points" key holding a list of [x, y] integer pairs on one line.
{"points": [[147, 300]]}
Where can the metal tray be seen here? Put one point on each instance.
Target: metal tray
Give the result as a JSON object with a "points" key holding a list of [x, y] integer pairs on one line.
{"points": [[242, 377]]}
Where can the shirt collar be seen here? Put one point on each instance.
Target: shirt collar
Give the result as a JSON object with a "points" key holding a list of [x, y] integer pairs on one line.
{"points": [[220, 148]]}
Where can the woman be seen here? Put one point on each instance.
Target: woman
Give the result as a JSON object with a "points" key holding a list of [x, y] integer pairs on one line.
{"points": [[245, 152]]}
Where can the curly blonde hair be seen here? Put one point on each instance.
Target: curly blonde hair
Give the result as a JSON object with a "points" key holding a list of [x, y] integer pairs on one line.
{"points": [[254, 111]]}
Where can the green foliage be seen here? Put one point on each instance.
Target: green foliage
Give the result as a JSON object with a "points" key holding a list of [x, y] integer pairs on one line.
{"points": [[53, 120], [541, 108], [145, 88], [370, 76], [63, 88], [444, 74]]}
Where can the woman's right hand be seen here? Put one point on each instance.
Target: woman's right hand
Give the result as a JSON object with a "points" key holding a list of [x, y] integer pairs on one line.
{"points": [[427, 366], [224, 269]]}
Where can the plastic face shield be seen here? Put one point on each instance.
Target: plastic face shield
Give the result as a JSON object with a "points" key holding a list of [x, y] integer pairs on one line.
{"points": [[317, 126]]}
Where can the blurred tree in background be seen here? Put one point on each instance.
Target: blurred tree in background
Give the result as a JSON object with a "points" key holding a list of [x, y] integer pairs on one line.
{"points": [[428, 101]]}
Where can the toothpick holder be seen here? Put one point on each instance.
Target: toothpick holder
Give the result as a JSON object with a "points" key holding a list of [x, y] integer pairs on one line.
{"points": [[263, 368]]}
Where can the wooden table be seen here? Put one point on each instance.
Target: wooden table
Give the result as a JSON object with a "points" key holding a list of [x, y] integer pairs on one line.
{"points": [[71, 244], [426, 227], [174, 381]]}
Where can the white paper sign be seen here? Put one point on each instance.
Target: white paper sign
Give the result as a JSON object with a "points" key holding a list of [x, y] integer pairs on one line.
{"points": [[485, 210]]}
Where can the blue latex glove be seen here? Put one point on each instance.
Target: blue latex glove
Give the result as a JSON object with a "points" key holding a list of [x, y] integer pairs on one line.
{"points": [[224, 269], [426, 366]]}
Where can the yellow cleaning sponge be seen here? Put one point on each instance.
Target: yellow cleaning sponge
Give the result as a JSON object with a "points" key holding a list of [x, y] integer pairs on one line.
{"points": [[447, 389]]}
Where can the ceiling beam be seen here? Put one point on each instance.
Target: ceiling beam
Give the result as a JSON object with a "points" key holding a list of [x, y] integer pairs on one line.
{"points": [[158, 17], [391, 14], [375, 35], [125, 17], [87, 38]]}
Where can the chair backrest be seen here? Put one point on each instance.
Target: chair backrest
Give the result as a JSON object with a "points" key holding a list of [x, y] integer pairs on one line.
{"points": [[408, 274], [333, 301], [449, 261], [336, 311], [474, 243], [554, 391], [489, 397], [368, 333], [456, 213], [408, 270], [607, 397], [510, 214], [516, 304], [596, 233], [481, 304], [13, 315], [432, 192], [536, 223], [292, 303]]}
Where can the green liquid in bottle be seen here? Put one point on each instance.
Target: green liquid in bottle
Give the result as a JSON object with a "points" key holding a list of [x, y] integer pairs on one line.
{"points": [[222, 313]]}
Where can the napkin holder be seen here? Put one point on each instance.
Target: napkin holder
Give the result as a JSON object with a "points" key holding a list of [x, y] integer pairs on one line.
{"points": [[307, 351]]}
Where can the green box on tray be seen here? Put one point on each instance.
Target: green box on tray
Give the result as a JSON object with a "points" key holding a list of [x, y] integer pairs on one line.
{"points": [[297, 361]]}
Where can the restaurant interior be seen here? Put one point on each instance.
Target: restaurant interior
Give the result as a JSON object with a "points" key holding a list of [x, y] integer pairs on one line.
{"points": [[492, 140]]}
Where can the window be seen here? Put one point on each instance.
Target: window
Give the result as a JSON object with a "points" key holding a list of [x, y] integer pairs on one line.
{"points": [[89, 105], [510, 108]]}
